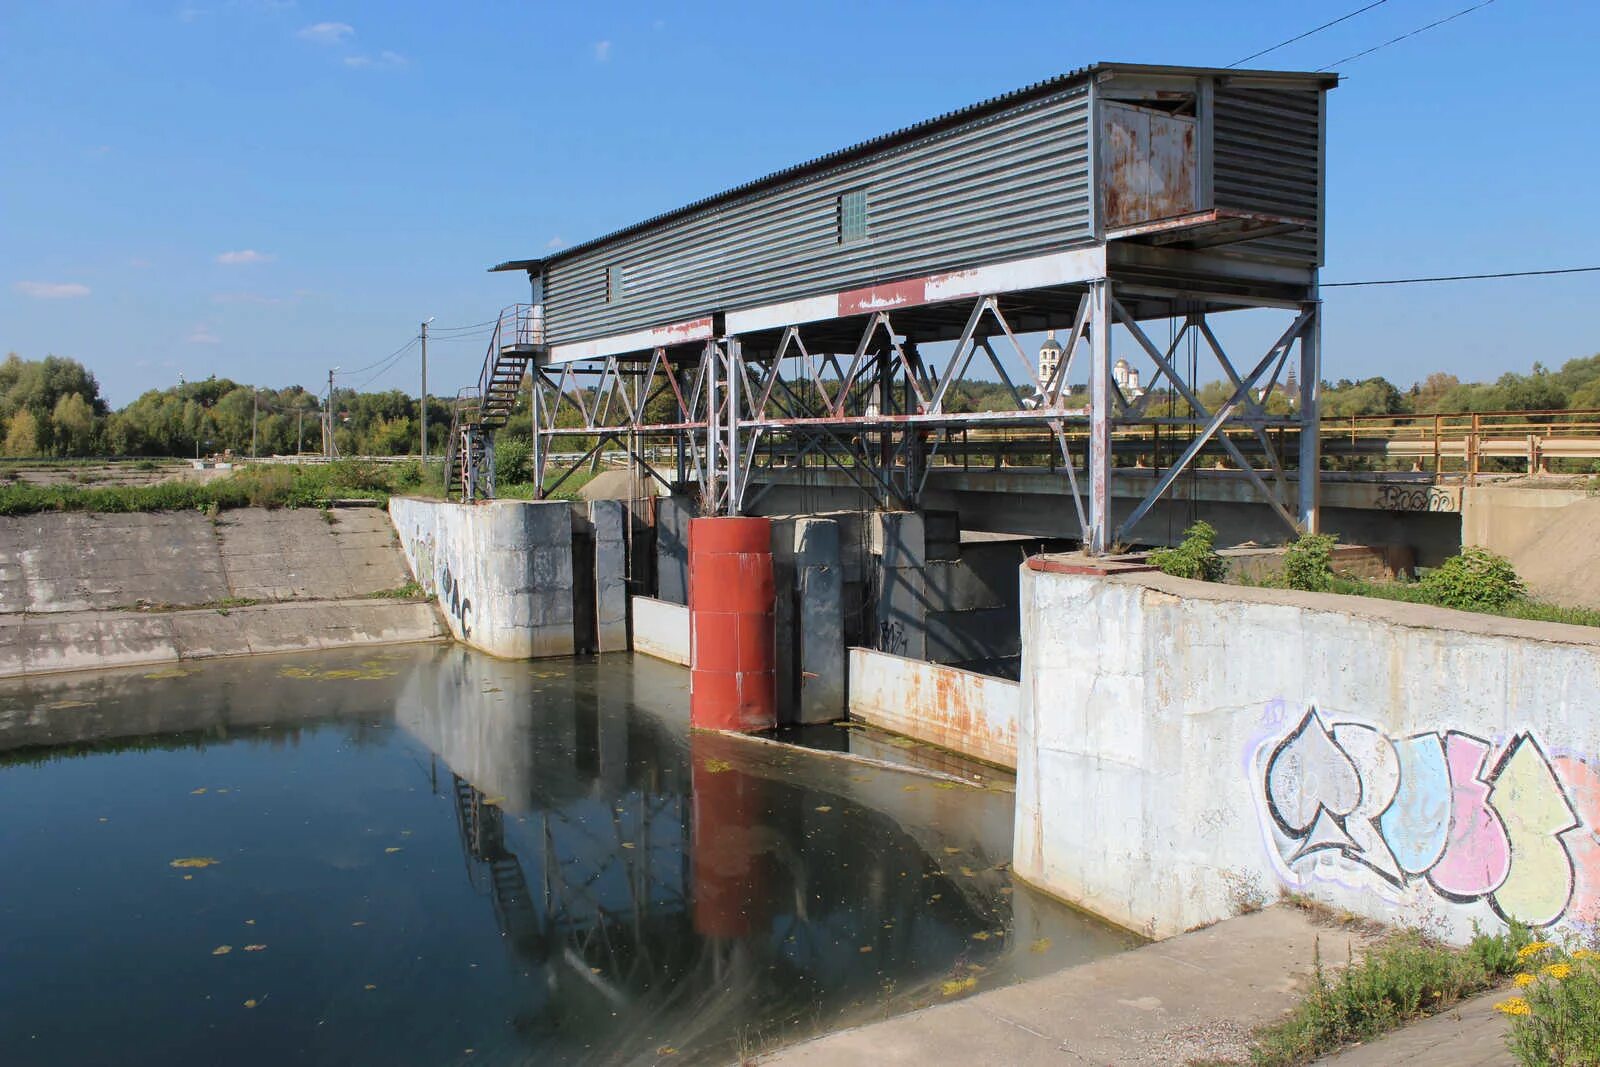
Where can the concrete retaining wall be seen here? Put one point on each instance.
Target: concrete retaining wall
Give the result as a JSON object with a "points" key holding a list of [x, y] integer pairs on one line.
{"points": [[502, 570], [661, 629], [969, 713], [1186, 750]]}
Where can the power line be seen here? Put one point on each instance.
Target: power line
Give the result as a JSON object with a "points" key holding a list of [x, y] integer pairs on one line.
{"points": [[1465, 277], [391, 356], [1308, 33], [1403, 36]]}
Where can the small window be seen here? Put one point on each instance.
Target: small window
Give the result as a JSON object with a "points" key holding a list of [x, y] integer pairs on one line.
{"points": [[613, 285], [853, 216]]}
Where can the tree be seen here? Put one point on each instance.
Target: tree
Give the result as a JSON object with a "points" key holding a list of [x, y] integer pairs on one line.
{"points": [[74, 424], [22, 435]]}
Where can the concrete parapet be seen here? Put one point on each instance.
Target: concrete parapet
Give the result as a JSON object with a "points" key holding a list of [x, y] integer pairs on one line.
{"points": [[964, 712], [898, 542], [502, 570], [1186, 749], [607, 517], [819, 588]]}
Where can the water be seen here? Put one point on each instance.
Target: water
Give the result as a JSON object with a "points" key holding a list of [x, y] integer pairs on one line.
{"points": [[427, 856]]}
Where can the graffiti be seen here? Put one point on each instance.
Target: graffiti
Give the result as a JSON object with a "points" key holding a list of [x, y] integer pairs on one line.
{"points": [[454, 601], [1447, 812], [1415, 498], [892, 637]]}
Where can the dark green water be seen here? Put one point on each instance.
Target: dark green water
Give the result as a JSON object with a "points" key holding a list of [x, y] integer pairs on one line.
{"points": [[426, 856]]}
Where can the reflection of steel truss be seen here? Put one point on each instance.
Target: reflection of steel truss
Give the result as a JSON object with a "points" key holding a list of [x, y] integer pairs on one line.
{"points": [[724, 411]]}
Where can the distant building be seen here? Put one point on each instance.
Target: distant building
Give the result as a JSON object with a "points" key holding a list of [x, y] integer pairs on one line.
{"points": [[1049, 358], [1127, 379]]}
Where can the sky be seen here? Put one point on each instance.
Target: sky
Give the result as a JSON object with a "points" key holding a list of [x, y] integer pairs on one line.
{"points": [[264, 189]]}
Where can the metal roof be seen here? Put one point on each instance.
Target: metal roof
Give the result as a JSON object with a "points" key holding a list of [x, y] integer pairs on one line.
{"points": [[906, 133]]}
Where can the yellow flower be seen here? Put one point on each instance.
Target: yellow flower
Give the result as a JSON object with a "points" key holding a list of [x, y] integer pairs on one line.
{"points": [[1559, 971], [1532, 949], [1523, 981], [1514, 1006], [1586, 954]]}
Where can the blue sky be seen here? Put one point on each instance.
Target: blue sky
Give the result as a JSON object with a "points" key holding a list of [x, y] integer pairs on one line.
{"points": [[263, 189]]}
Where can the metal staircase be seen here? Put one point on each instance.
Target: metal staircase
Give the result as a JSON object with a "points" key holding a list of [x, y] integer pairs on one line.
{"points": [[482, 409]]}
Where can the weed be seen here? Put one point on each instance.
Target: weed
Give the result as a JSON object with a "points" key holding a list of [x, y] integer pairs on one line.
{"points": [[410, 591], [1308, 563], [1476, 580], [1403, 977], [1195, 556], [1555, 1018]]}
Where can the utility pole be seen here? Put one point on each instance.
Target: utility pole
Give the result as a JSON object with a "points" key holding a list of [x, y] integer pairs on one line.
{"points": [[254, 407], [425, 393], [328, 448]]}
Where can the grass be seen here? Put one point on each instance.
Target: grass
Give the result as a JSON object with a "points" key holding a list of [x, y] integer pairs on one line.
{"points": [[1405, 976], [410, 591], [263, 486], [1414, 593]]}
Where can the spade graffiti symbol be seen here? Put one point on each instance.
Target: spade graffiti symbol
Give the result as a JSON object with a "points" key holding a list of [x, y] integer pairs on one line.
{"points": [[1312, 784]]}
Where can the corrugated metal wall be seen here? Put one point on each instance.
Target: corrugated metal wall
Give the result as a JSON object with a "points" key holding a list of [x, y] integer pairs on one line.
{"points": [[1008, 185], [1266, 157]]}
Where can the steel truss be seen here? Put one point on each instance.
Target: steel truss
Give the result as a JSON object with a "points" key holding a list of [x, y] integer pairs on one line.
{"points": [[725, 411]]}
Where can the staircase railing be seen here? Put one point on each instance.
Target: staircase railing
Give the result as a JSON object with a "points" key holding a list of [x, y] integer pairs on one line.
{"points": [[518, 325], [463, 412]]}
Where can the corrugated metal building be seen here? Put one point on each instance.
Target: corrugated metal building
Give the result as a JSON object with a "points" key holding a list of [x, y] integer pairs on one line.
{"points": [[1155, 160]]}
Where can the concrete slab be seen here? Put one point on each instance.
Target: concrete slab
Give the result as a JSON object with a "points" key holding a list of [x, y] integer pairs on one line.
{"points": [[1196, 996]]}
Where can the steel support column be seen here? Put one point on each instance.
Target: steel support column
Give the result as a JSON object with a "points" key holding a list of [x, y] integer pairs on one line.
{"points": [[1100, 390], [1311, 415]]}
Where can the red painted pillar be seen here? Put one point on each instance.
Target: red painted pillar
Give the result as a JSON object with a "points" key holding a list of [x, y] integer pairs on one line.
{"points": [[732, 685]]}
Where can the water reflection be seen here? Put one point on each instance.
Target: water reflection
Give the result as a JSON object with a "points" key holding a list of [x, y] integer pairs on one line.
{"points": [[649, 892]]}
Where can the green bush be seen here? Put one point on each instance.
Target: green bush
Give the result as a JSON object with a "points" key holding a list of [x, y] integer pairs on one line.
{"points": [[1308, 563], [1195, 556], [1475, 580], [513, 457]]}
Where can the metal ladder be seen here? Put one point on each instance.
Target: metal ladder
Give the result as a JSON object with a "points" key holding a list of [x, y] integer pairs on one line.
{"points": [[482, 409]]}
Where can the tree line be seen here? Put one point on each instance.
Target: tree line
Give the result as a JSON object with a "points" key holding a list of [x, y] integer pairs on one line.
{"points": [[53, 407]]}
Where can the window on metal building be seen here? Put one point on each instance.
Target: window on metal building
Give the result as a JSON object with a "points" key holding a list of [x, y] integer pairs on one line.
{"points": [[853, 216], [613, 284]]}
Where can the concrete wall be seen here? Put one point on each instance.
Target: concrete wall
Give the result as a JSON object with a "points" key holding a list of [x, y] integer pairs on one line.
{"points": [[1186, 750], [965, 712], [87, 591], [502, 570], [661, 629]]}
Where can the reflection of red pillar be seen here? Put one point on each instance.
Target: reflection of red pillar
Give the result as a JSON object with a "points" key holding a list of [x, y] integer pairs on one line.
{"points": [[724, 856], [732, 685]]}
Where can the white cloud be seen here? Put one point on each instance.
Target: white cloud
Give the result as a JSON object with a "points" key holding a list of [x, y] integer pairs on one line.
{"points": [[201, 335], [244, 298], [244, 255], [602, 51], [382, 60], [139, 263], [555, 243], [52, 290], [327, 32]]}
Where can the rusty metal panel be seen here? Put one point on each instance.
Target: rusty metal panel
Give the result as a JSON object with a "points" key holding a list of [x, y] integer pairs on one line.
{"points": [[1267, 158], [1006, 185], [1148, 164]]}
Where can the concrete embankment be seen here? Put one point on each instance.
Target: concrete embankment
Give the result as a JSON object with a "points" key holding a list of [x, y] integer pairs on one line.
{"points": [[85, 591], [1191, 999], [1186, 750]]}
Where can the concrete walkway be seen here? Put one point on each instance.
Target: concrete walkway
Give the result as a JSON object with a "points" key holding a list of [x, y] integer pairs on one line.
{"points": [[1193, 997], [1472, 1034]]}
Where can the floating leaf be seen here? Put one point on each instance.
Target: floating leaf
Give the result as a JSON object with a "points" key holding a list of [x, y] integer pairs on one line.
{"points": [[824, 808], [666, 1050], [717, 766], [969, 872], [908, 788], [981, 935], [172, 672], [249, 922], [254, 948], [865, 949], [496, 801], [369, 987], [194, 861], [359, 922], [948, 851], [1041, 946], [222, 950], [197, 792], [627, 844], [252, 1002], [392, 848], [957, 985]]}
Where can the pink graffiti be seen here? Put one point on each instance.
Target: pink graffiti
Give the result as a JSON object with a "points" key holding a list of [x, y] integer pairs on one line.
{"points": [[1477, 852], [1583, 844]]}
